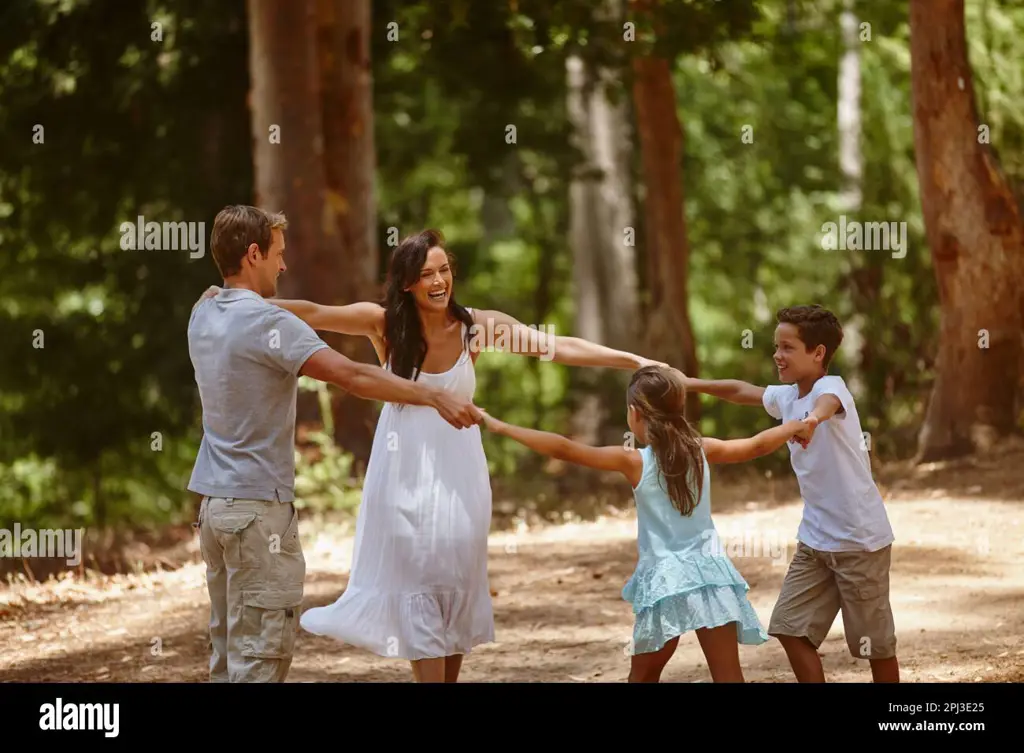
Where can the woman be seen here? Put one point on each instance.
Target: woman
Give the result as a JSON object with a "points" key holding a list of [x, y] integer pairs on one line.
{"points": [[419, 587]]}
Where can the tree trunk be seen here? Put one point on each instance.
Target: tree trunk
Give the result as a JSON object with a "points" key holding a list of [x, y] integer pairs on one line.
{"points": [[587, 244], [350, 273], [288, 146], [606, 290], [669, 334], [288, 141], [851, 167], [974, 230]]}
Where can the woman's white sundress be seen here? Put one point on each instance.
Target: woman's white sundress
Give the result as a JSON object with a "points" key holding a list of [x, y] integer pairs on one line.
{"points": [[419, 586]]}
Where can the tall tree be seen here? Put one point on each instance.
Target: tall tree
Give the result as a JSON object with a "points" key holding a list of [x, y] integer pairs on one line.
{"points": [[602, 228], [343, 52], [974, 230], [288, 152], [669, 332]]}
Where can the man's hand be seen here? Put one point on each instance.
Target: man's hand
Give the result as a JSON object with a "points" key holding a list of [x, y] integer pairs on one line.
{"points": [[457, 411]]}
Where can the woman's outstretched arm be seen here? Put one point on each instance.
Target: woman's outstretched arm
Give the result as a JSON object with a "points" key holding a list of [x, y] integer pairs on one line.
{"points": [[362, 318], [499, 331]]}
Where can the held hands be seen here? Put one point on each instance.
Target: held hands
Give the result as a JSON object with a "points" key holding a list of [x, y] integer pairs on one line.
{"points": [[491, 423], [806, 430], [457, 411]]}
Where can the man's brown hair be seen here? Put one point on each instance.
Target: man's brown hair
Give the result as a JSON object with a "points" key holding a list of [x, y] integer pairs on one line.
{"points": [[237, 226], [817, 326]]}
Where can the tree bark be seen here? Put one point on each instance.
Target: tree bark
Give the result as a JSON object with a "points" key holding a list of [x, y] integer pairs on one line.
{"points": [[851, 168], [350, 272], [288, 147], [587, 243], [669, 333], [974, 230], [606, 289], [289, 171]]}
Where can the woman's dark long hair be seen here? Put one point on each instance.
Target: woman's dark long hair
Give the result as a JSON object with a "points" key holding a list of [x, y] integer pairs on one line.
{"points": [[404, 344], [659, 395]]}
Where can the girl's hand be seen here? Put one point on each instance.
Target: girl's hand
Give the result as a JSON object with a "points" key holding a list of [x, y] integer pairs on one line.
{"points": [[493, 425], [805, 430], [211, 291]]}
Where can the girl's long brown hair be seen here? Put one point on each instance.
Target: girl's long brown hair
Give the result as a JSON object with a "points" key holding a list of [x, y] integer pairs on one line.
{"points": [[660, 397]]}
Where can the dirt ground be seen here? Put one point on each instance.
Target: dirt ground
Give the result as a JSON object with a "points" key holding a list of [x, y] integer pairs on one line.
{"points": [[957, 592]]}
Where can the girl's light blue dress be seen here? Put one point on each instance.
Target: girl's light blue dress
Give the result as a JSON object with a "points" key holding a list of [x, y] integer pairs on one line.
{"points": [[683, 580]]}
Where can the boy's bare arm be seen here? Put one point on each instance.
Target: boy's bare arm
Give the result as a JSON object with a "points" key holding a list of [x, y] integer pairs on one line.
{"points": [[824, 408], [732, 390]]}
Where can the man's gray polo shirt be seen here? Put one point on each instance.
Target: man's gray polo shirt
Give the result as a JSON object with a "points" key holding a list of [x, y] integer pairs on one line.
{"points": [[247, 353]]}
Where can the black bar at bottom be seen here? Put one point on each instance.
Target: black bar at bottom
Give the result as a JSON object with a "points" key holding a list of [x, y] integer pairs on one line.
{"points": [[104, 714]]}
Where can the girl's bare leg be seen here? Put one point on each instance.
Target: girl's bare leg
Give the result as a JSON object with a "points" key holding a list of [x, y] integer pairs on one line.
{"points": [[721, 650], [648, 667]]}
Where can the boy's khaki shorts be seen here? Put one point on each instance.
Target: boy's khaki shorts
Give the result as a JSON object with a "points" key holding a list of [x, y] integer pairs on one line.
{"points": [[820, 584]]}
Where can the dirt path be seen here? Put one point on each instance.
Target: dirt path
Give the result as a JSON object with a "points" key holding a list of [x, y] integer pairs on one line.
{"points": [[957, 584]]}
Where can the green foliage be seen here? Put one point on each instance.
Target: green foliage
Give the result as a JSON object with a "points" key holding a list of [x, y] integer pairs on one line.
{"points": [[323, 476], [161, 128]]}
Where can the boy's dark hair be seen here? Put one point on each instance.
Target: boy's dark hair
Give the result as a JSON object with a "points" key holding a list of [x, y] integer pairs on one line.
{"points": [[817, 326]]}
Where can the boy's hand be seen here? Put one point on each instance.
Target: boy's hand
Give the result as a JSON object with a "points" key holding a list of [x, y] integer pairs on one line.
{"points": [[803, 437]]}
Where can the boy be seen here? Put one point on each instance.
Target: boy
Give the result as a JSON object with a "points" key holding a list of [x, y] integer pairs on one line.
{"points": [[844, 540]]}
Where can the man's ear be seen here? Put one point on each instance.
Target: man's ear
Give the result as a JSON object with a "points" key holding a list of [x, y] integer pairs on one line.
{"points": [[252, 253]]}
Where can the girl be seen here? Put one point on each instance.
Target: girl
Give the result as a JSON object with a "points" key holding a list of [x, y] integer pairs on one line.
{"points": [[681, 582], [419, 589]]}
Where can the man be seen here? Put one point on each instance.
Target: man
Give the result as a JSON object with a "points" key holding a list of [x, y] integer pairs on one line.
{"points": [[248, 355]]}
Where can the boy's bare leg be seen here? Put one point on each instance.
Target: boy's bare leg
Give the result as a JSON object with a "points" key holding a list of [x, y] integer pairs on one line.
{"points": [[803, 658], [885, 670]]}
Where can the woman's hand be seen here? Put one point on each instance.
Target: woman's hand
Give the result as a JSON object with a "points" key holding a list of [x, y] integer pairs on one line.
{"points": [[210, 292], [642, 362]]}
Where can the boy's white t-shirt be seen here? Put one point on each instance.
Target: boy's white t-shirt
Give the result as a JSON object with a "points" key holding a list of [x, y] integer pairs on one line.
{"points": [[843, 509]]}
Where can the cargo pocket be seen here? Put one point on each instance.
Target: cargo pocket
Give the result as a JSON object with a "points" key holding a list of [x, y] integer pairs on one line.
{"points": [[238, 537], [290, 541], [270, 620]]}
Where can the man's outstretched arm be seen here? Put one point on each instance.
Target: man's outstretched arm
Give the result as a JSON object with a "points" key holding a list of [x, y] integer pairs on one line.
{"points": [[374, 383]]}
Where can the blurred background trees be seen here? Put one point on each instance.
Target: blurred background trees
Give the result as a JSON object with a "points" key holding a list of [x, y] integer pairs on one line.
{"points": [[654, 175]]}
